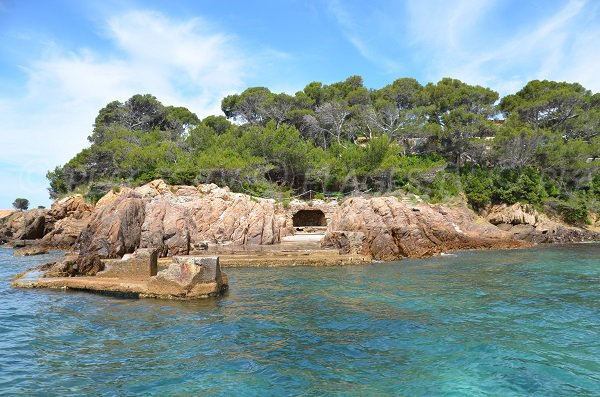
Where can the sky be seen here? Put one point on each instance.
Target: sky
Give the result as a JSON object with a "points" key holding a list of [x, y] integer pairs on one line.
{"points": [[61, 61]]}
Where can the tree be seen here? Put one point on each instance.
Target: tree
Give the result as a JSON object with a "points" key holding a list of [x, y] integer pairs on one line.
{"points": [[21, 204], [547, 104], [249, 106], [332, 116], [462, 111]]}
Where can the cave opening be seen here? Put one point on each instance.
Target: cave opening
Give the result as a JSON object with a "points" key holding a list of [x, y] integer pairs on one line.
{"points": [[304, 218]]}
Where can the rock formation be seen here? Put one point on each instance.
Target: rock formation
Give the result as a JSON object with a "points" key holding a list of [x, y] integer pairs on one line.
{"points": [[387, 228], [65, 220], [523, 222], [57, 227], [175, 218], [23, 225], [115, 228], [179, 220]]}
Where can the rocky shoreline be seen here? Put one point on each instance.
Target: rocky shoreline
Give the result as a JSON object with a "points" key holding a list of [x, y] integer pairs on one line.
{"points": [[201, 220], [183, 220]]}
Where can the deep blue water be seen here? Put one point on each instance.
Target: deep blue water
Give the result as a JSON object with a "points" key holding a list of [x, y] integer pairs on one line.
{"points": [[497, 323]]}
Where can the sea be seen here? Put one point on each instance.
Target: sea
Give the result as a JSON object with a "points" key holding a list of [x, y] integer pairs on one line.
{"points": [[520, 322]]}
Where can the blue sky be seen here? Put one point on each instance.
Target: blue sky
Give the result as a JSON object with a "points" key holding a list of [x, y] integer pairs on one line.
{"points": [[63, 60]]}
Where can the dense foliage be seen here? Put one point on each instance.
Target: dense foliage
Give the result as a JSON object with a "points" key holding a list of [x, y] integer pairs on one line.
{"points": [[443, 140], [21, 204]]}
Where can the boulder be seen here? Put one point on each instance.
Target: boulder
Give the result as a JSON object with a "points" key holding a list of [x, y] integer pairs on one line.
{"points": [[71, 266], [189, 277], [345, 242], [65, 232], [65, 220], [114, 230], [395, 229], [525, 223], [23, 225], [72, 206], [57, 227], [140, 265]]}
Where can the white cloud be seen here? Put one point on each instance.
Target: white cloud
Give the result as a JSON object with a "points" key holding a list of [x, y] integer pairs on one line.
{"points": [[444, 24], [560, 47], [184, 63], [479, 41], [352, 27]]}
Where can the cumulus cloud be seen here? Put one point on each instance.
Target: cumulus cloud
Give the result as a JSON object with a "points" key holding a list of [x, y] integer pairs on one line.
{"points": [[184, 63]]}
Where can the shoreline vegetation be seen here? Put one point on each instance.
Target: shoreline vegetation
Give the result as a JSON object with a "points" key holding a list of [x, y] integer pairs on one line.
{"points": [[443, 142]]}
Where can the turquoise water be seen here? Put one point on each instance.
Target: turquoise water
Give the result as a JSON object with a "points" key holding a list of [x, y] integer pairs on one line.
{"points": [[497, 323]]}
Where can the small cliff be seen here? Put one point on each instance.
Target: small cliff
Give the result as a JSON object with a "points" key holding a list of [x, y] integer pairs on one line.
{"points": [[387, 228], [177, 219]]}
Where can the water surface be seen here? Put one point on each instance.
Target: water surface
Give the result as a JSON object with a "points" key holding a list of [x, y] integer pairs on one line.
{"points": [[498, 323]]}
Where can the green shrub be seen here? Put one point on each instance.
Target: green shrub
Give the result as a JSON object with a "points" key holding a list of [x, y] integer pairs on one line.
{"points": [[445, 186], [572, 210], [479, 188]]}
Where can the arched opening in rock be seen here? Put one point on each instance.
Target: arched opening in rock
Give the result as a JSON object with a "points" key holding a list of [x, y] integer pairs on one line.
{"points": [[304, 218]]}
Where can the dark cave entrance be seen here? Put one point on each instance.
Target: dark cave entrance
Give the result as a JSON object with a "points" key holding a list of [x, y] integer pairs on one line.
{"points": [[309, 218]]}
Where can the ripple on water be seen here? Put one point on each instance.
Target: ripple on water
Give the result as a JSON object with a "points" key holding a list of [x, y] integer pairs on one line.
{"points": [[521, 322]]}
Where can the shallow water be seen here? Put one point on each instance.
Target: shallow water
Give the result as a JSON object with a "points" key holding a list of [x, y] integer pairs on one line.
{"points": [[498, 323]]}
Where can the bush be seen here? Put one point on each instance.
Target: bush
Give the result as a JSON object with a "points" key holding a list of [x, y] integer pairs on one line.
{"points": [[573, 210], [479, 188], [21, 204], [96, 191], [519, 185]]}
